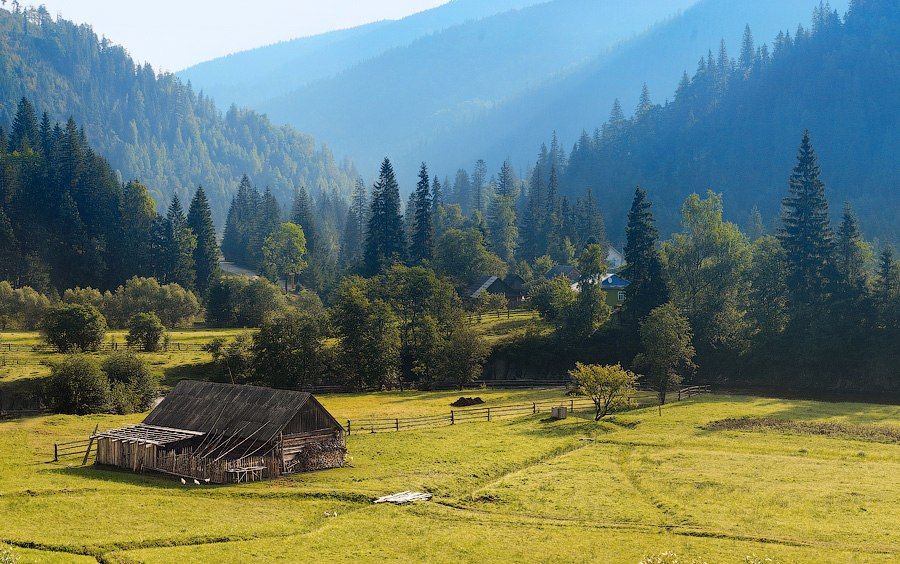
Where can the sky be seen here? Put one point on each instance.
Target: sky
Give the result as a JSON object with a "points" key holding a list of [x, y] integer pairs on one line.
{"points": [[173, 35]]}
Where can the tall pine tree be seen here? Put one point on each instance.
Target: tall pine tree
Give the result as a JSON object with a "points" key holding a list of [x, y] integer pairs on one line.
{"points": [[179, 249], [206, 251], [806, 233], [385, 236], [643, 268], [422, 238]]}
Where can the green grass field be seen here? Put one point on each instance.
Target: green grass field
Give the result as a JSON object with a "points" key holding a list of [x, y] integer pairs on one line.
{"points": [[523, 489]]}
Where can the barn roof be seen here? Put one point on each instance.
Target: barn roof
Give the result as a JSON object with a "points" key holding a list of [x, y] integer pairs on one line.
{"points": [[241, 411]]}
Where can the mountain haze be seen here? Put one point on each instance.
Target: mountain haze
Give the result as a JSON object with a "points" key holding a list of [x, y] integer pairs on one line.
{"points": [[254, 76], [153, 127]]}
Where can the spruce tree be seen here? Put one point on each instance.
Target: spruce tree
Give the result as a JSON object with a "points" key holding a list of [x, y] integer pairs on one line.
{"points": [[422, 238], [437, 196], [647, 289], [644, 103], [303, 214], [852, 251], [239, 224], [886, 287], [385, 237], [355, 226], [138, 211], [267, 222], [25, 130], [479, 176], [806, 233], [179, 247], [506, 183], [206, 251], [462, 191], [553, 220], [748, 52], [533, 241]]}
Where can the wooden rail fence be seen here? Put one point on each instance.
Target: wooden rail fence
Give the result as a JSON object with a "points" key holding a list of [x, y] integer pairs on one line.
{"points": [[45, 348], [472, 414]]}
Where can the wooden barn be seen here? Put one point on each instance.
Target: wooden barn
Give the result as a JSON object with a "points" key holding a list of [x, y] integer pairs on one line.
{"points": [[222, 433]]}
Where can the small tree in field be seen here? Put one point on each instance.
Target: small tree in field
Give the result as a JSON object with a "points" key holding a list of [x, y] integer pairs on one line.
{"points": [[145, 330], [487, 302], [608, 386], [71, 327], [668, 352]]}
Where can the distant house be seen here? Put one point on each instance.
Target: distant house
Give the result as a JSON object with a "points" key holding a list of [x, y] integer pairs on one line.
{"points": [[614, 287], [516, 286], [614, 259], [224, 433]]}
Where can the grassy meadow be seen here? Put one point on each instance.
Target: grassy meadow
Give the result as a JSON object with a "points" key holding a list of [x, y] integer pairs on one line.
{"points": [[522, 489]]}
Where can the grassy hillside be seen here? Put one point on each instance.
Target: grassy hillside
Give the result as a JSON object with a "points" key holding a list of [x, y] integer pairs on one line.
{"points": [[639, 484]]}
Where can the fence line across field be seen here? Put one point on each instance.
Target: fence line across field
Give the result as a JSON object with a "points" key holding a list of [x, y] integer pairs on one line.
{"points": [[18, 347]]}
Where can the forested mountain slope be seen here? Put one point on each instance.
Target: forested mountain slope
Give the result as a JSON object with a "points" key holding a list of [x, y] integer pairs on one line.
{"points": [[149, 126], [732, 126], [260, 74], [394, 103], [582, 98]]}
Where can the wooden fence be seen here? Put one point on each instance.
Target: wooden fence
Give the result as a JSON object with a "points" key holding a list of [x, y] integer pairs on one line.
{"points": [[46, 348], [472, 414]]}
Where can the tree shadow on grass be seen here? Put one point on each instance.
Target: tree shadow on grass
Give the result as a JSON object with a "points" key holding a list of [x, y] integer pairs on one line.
{"points": [[200, 371], [125, 477]]}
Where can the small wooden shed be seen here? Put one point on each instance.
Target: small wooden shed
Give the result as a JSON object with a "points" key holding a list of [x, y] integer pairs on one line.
{"points": [[224, 433]]}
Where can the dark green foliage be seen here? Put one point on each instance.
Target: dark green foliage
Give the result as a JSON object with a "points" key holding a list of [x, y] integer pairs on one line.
{"points": [[369, 348], [385, 237], [78, 386], [145, 331], [289, 351], [421, 242], [462, 256], [63, 221], [806, 233], [179, 245], [233, 359], [75, 327], [668, 353], [235, 301], [206, 251], [644, 270], [132, 387], [252, 218], [151, 126]]}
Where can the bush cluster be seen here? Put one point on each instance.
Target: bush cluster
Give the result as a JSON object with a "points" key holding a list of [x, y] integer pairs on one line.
{"points": [[80, 385]]}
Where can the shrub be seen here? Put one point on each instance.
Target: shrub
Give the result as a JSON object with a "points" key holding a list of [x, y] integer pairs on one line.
{"points": [[608, 386], [175, 306], [133, 387], [77, 385], [71, 327], [232, 359], [21, 308], [146, 331]]}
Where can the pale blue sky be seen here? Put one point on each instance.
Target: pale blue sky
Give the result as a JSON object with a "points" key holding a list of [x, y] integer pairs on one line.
{"points": [[174, 34]]}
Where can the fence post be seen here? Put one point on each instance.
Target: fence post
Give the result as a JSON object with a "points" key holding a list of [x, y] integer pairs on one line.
{"points": [[348, 426], [534, 407], [489, 413], [679, 394], [397, 424], [55, 452], [571, 406], [452, 418]]}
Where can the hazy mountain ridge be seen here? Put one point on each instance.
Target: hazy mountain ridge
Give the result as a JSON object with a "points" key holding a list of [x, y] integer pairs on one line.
{"points": [[150, 126], [273, 70]]}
